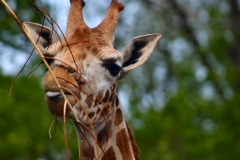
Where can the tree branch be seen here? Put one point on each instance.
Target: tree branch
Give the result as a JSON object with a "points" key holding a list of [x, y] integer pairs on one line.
{"points": [[234, 49]]}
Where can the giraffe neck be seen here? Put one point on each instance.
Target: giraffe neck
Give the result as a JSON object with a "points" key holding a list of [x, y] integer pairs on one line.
{"points": [[113, 139]]}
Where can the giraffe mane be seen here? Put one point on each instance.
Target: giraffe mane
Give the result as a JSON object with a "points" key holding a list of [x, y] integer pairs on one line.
{"points": [[133, 143]]}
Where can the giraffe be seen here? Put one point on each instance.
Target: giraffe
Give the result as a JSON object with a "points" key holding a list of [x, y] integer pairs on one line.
{"points": [[88, 68]]}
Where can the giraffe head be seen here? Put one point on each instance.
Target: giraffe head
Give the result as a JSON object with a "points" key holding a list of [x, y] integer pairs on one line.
{"points": [[85, 62]]}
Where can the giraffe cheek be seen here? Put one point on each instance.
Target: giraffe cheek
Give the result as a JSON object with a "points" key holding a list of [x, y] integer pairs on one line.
{"points": [[56, 107]]}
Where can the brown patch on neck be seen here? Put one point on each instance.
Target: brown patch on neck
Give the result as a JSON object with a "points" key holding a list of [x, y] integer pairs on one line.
{"points": [[116, 101], [119, 116], [91, 114], [105, 111], [106, 97], [86, 151], [97, 101], [104, 134], [133, 143], [109, 154], [89, 100], [123, 144]]}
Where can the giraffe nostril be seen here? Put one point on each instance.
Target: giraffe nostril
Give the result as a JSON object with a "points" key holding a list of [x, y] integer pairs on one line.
{"points": [[53, 95]]}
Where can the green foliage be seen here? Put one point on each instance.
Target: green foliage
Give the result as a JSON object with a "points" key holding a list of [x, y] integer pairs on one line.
{"points": [[185, 102], [24, 119], [25, 123]]}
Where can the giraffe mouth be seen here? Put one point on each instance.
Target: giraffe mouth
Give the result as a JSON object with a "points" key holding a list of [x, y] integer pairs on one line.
{"points": [[55, 102], [54, 96]]}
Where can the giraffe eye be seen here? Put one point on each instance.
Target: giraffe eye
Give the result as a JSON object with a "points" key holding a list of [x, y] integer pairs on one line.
{"points": [[113, 68], [70, 69]]}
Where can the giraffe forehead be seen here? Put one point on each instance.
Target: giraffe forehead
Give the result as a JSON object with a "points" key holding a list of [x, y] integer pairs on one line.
{"points": [[88, 52], [110, 54]]}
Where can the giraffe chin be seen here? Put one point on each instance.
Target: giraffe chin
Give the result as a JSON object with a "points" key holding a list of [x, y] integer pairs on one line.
{"points": [[56, 105]]}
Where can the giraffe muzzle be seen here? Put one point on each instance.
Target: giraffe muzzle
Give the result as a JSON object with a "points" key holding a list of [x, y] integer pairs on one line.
{"points": [[55, 102]]}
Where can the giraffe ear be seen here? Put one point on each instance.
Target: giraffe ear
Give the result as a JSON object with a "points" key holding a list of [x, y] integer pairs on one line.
{"points": [[138, 51], [41, 35]]}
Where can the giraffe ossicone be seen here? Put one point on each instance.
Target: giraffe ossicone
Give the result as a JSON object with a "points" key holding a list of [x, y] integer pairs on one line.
{"points": [[88, 67]]}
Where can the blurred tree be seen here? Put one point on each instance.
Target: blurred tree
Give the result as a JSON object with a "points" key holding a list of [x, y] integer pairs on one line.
{"points": [[185, 102], [25, 122]]}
